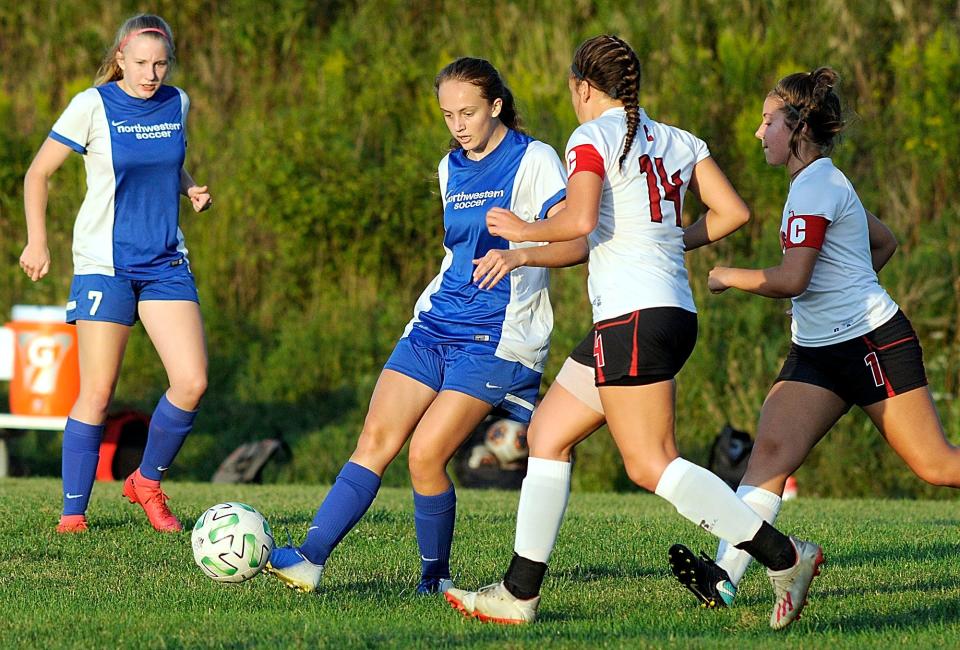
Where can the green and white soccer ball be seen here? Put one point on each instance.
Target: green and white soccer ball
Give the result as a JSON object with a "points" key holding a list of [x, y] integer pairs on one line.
{"points": [[231, 542]]}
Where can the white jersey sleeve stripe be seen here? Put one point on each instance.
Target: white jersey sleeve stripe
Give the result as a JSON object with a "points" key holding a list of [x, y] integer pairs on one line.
{"points": [[73, 128], [552, 201], [79, 148]]}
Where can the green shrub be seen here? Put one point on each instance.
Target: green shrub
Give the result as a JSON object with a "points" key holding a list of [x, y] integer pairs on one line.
{"points": [[315, 124]]}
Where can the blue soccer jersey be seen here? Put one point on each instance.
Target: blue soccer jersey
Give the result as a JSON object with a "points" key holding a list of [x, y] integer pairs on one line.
{"points": [[133, 151], [525, 176]]}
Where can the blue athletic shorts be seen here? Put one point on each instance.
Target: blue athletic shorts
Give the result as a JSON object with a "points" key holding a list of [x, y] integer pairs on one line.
{"points": [[114, 300], [470, 368]]}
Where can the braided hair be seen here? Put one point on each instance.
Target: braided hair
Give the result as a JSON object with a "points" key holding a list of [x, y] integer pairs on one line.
{"points": [[484, 76], [809, 100], [610, 64]]}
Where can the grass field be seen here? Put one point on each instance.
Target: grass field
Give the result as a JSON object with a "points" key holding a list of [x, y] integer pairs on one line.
{"points": [[891, 579]]}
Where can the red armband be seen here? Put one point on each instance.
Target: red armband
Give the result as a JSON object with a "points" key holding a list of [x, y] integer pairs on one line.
{"points": [[584, 158], [804, 231]]}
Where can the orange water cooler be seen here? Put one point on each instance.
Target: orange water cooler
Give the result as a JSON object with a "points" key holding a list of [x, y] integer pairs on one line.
{"points": [[46, 366]]}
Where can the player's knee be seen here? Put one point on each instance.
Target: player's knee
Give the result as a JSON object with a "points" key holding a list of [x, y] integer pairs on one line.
{"points": [[95, 400], [368, 444], [424, 463], [543, 447], [190, 390], [642, 474], [937, 473], [376, 445]]}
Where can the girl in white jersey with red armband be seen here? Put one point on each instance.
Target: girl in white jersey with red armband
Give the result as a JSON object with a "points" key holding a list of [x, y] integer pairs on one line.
{"points": [[129, 258], [466, 351], [851, 344], [627, 178]]}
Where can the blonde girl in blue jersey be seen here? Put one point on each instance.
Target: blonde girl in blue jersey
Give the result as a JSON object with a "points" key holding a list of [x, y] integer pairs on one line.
{"points": [[129, 258], [467, 349]]}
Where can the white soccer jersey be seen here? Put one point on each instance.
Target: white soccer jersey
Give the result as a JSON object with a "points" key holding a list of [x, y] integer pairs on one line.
{"points": [[636, 250], [844, 299], [527, 177], [133, 150]]}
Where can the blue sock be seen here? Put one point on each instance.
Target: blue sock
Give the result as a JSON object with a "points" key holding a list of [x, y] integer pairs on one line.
{"points": [[434, 517], [169, 427], [81, 453], [351, 495]]}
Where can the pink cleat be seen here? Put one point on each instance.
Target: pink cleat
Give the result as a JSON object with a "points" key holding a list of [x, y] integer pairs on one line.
{"points": [[153, 501], [72, 524]]}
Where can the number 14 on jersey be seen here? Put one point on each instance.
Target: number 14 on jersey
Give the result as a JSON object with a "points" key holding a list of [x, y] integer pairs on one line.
{"points": [[653, 169]]}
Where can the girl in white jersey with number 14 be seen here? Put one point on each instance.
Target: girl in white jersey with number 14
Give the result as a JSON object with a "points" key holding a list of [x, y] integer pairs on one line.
{"points": [[851, 343], [129, 259], [627, 178]]}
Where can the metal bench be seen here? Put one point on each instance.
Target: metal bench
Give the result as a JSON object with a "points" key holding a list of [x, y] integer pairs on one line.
{"points": [[10, 422]]}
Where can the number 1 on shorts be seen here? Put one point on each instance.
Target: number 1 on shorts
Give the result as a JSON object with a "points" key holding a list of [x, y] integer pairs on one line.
{"points": [[874, 363]]}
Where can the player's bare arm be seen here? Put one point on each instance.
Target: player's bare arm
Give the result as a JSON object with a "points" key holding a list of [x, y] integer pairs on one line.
{"points": [[883, 243], [577, 219], [726, 211], [199, 195], [35, 259], [497, 263], [786, 280]]}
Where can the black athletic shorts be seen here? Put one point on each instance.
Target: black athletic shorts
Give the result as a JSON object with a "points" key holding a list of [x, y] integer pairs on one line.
{"points": [[642, 347], [864, 370]]}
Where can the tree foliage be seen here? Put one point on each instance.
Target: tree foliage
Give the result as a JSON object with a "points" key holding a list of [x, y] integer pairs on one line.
{"points": [[315, 125]]}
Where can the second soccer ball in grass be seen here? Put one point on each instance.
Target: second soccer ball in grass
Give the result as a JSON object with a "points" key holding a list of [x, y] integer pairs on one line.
{"points": [[507, 440], [231, 542]]}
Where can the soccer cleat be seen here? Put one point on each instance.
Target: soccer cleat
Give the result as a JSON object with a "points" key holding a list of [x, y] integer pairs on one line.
{"points": [[291, 568], [153, 500], [702, 577], [433, 585], [790, 586], [72, 524], [493, 604]]}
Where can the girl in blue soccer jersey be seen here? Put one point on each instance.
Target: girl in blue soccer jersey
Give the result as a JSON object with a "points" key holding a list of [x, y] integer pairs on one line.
{"points": [[851, 343], [130, 262], [467, 350]]}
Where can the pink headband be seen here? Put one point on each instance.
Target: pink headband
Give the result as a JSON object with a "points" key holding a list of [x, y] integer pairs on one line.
{"points": [[124, 42]]}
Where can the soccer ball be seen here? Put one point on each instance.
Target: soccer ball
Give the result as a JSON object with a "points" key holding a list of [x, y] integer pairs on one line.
{"points": [[507, 440], [231, 542], [480, 456]]}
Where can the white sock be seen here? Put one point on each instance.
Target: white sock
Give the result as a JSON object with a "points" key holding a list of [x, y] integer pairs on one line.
{"points": [[543, 499], [703, 498], [766, 504]]}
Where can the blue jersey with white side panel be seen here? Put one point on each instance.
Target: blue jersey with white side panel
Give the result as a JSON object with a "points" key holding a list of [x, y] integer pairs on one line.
{"points": [[133, 151], [515, 316]]}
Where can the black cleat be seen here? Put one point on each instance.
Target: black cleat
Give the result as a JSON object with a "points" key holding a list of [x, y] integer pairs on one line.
{"points": [[702, 577]]}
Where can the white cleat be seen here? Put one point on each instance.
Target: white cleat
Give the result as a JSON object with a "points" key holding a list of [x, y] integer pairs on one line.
{"points": [[790, 586], [493, 604], [293, 569]]}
